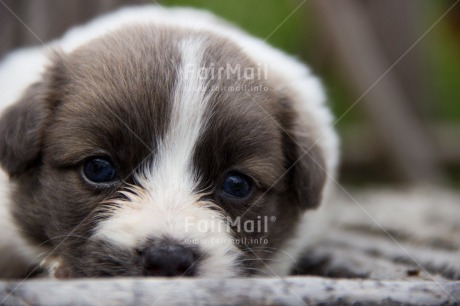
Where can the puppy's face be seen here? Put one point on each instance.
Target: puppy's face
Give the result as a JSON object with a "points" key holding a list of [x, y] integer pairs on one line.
{"points": [[128, 159]]}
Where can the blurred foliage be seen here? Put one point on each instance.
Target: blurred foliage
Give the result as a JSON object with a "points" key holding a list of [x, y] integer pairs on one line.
{"points": [[445, 54], [266, 19]]}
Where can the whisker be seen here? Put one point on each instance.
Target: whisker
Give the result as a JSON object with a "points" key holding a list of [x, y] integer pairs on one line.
{"points": [[66, 236], [269, 250], [261, 272], [263, 259]]}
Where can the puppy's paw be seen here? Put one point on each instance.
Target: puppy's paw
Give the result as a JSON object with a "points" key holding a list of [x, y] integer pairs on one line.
{"points": [[55, 268]]}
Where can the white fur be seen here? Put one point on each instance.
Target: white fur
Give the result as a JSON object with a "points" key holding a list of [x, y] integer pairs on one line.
{"points": [[171, 168], [17, 71]]}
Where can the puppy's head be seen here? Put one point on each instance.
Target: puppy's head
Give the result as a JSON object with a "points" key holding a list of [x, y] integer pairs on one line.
{"points": [[146, 152]]}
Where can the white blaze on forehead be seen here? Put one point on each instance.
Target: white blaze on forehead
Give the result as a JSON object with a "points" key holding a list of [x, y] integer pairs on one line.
{"points": [[171, 170]]}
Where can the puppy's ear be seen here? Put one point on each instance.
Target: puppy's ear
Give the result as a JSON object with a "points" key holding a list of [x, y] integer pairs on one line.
{"points": [[21, 128], [304, 161]]}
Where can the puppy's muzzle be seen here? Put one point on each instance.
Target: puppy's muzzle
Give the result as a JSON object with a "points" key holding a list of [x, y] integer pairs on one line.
{"points": [[168, 260]]}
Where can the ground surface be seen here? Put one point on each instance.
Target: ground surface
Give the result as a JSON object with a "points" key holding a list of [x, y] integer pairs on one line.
{"points": [[375, 246]]}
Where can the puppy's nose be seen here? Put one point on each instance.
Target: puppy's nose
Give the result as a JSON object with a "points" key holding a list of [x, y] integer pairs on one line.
{"points": [[168, 260]]}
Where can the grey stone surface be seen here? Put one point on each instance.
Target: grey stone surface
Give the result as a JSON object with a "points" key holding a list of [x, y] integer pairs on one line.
{"points": [[274, 291]]}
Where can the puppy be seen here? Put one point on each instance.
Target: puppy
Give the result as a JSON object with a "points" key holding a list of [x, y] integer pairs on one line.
{"points": [[159, 142]]}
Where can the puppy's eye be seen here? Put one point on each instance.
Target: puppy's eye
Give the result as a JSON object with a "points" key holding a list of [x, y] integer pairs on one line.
{"points": [[237, 185], [99, 170]]}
